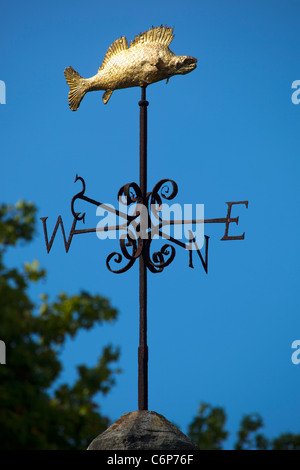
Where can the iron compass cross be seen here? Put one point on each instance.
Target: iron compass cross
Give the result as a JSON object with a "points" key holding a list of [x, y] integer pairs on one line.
{"points": [[148, 59]]}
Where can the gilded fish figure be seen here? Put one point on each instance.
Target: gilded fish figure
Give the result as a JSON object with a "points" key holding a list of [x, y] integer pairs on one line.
{"points": [[147, 60]]}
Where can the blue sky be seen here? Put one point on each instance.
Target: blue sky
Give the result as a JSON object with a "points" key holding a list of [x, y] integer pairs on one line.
{"points": [[226, 132]]}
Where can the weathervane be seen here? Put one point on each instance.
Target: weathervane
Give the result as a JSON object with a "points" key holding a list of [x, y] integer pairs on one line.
{"points": [[147, 60]]}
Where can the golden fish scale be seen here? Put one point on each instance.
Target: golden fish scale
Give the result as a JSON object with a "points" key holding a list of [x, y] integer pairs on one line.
{"points": [[136, 66]]}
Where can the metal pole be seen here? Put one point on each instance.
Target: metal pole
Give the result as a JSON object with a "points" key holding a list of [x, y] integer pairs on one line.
{"points": [[143, 348]]}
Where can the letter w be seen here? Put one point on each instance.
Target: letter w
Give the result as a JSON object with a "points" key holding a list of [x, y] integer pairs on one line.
{"points": [[59, 222]]}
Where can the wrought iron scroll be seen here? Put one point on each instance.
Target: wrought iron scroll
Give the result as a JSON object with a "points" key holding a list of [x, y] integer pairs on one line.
{"points": [[139, 228]]}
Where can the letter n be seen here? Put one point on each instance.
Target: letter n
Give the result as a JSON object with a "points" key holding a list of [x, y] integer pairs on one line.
{"points": [[203, 261], [58, 222]]}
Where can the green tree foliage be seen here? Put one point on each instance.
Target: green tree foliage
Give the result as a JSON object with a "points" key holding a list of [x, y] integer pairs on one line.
{"points": [[287, 441], [207, 428], [207, 431], [34, 414], [248, 437]]}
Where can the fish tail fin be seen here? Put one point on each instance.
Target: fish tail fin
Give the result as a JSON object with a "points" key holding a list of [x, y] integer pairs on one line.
{"points": [[77, 88]]}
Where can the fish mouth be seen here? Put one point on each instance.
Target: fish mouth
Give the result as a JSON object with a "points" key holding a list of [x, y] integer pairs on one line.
{"points": [[187, 65]]}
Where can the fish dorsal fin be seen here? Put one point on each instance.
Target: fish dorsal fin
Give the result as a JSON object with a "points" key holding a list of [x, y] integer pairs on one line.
{"points": [[117, 46], [161, 34]]}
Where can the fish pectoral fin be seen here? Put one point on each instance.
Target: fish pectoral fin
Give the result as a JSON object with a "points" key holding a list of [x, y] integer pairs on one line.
{"points": [[106, 96], [167, 80], [148, 67]]}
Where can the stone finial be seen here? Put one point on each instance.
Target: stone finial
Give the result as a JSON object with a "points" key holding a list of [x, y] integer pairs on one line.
{"points": [[142, 430]]}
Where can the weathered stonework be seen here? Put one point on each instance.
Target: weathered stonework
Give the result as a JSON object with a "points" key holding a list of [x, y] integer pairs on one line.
{"points": [[142, 430]]}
